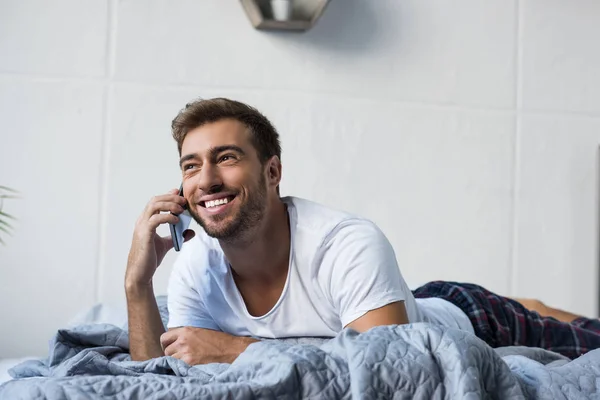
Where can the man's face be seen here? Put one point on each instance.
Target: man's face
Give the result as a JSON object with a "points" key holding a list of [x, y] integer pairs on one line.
{"points": [[223, 179]]}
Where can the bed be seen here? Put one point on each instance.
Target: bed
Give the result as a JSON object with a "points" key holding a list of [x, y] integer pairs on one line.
{"points": [[8, 363], [411, 361]]}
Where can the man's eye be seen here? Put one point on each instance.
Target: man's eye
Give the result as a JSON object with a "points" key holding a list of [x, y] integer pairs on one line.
{"points": [[188, 167], [226, 157]]}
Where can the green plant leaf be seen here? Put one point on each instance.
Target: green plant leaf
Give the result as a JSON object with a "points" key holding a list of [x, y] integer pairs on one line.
{"points": [[9, 196], [5, 226], [3, 222], [2, 213], [4, 229]]}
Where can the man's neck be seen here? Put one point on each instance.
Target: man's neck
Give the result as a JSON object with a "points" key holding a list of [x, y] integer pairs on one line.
{"points": [[263, 257]]}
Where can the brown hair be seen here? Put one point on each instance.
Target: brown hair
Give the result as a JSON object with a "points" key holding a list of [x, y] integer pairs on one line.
{"points": [[264, 137]]}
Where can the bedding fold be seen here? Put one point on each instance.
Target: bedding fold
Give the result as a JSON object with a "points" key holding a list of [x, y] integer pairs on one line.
{"points": [[409, 361]]}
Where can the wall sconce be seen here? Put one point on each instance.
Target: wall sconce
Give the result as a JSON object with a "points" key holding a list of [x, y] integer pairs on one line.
{"points": [[291, 15]]}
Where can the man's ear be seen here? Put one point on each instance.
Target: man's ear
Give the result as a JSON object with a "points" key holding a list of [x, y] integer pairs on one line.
{"points": [[274, 171]]}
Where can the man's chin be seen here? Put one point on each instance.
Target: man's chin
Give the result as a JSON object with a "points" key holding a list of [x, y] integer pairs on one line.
{"points": [[209, 222], [221, 234], [219, 230]]}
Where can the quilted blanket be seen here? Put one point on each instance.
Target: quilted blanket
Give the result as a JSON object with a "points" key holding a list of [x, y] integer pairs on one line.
{"points": [[419, 361]]}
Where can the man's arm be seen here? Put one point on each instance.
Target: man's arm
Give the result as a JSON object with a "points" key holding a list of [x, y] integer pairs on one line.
{"points": [[391, 314], [145, 255], [364, 282], [145, 324], [202, 346]]}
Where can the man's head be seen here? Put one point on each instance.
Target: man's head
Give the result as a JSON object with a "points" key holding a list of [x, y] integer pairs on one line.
{"points": [[230, 154], [265, 138]]}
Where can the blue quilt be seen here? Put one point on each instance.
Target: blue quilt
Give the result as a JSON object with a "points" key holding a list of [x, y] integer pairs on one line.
{"points": [[411, 361]]}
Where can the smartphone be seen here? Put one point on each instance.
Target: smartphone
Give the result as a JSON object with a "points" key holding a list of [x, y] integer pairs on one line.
{"points": [[177, 229]]}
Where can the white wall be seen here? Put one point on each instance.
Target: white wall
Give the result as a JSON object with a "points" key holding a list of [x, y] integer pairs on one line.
{"points": [[469, 130]]}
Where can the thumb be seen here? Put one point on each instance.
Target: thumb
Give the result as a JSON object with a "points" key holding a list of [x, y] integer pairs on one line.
{"points": [[188, 234]]}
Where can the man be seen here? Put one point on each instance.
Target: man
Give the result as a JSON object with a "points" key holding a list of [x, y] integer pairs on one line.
{"points": [[272, 267]]}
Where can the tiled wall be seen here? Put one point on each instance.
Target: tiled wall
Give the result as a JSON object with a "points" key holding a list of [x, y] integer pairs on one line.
{"points": [[468, 130]]}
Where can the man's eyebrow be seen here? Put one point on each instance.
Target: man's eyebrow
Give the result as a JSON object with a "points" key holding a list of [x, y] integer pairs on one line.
{"points": [[219, 149], [186, 158], [213, 151]]}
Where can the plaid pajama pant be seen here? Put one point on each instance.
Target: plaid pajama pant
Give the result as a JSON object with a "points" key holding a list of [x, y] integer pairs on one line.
{"points": [[501, 321]]}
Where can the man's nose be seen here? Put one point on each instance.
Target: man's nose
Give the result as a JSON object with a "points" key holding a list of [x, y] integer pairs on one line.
{"points": [[210, 179]]}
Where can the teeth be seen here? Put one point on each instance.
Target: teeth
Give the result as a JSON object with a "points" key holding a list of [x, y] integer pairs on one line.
{"points": [[214, 203]]}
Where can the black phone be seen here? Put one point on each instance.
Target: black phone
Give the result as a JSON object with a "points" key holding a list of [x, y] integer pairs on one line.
{"points": [[177, 229]]}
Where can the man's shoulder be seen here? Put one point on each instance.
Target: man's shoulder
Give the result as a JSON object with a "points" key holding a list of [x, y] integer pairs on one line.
{"points": [[315, 215], [322, 221]]}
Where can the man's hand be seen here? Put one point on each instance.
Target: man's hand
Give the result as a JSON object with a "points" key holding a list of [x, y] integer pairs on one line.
{"points": [[147, 248], [202, 346]]}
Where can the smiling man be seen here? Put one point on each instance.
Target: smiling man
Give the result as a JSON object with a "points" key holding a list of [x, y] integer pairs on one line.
{"points": [[266, 266]]}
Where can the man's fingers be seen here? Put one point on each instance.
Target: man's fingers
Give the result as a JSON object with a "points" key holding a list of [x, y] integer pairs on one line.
{"points": [[163, 206], [171, 350], [171, 197], [158, 219], [186, 358], [168, 338], [159, 208]]}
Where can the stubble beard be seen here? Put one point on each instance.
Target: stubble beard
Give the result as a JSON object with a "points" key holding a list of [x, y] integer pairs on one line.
{"points": [[240, 226]]}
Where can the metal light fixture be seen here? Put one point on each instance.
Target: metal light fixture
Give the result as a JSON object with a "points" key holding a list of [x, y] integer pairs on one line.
{"points": [[292, 15]]}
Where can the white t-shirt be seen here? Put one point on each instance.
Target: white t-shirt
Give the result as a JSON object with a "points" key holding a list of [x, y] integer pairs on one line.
{"points": [[340, 268]]}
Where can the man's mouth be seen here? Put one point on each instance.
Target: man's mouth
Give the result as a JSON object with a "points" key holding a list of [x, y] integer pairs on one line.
{"points": [[210, 204]]}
